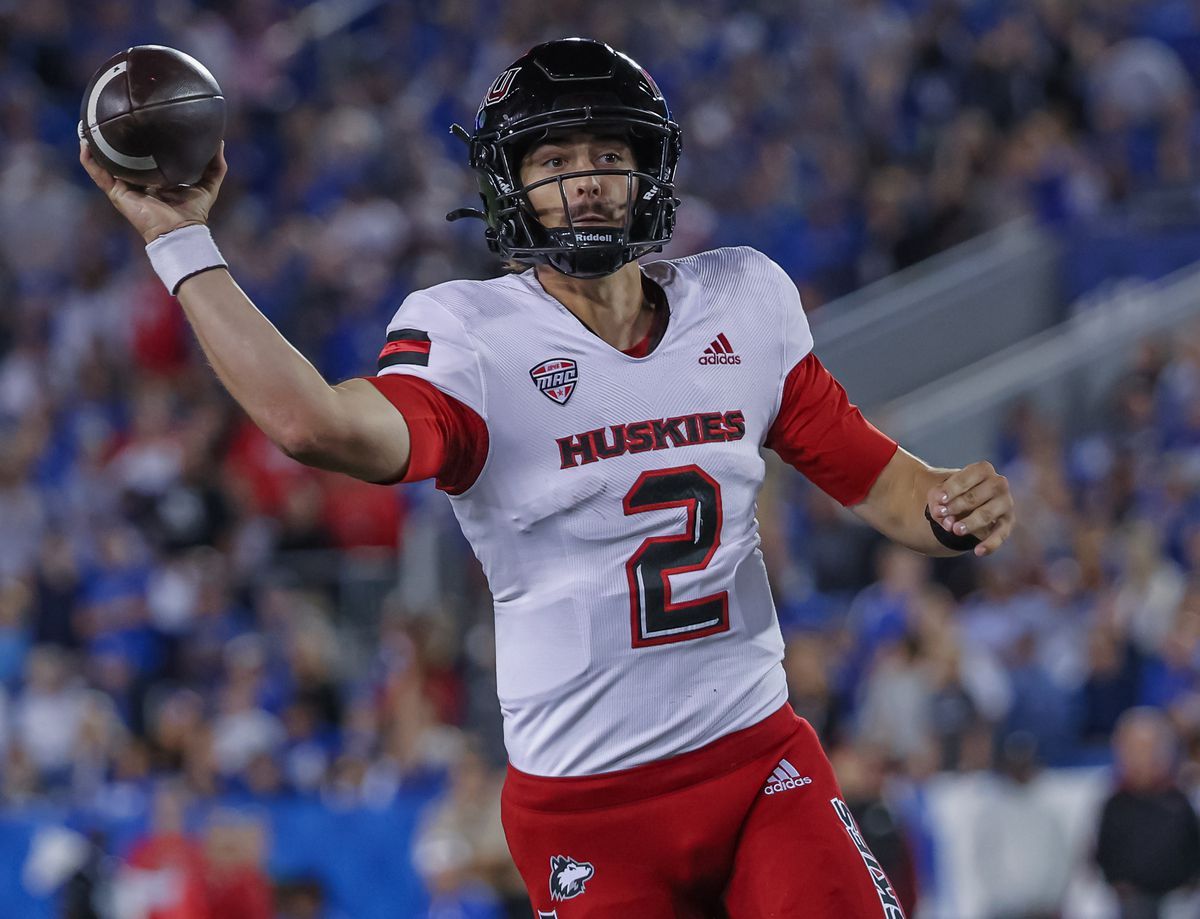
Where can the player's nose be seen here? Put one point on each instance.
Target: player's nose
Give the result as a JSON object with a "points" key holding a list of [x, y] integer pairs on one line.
{"points": [[588, 187]]}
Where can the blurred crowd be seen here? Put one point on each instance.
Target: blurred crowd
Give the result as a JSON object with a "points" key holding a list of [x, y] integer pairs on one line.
{"points": [[181, 615]]}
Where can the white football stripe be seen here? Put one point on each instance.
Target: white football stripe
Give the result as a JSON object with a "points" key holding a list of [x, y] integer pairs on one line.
{"points": [[121, 159]]}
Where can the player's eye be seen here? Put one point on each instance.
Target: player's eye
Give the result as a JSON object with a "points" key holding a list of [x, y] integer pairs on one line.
{"points": [[611, 157], [553, 162]]}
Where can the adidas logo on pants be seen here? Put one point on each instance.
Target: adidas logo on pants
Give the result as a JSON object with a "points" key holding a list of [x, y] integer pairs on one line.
{"points": [[785, 778]]}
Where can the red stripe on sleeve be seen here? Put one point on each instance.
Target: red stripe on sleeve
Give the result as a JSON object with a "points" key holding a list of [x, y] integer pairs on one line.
{"points": [[449, 441], [395, 347], [825, 436]]}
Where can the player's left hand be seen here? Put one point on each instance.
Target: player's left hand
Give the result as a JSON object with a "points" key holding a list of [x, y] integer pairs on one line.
{"points": [[974, 500]]}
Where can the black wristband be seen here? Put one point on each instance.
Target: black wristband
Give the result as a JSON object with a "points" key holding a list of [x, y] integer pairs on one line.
{"points": [[951, 540]]}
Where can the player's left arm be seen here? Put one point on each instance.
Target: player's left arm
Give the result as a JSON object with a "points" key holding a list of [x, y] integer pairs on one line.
{"points": [[974, 501], [819, 431]]}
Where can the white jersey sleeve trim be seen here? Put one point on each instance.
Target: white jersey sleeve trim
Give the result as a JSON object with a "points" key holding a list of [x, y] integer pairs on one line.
{"points": [[454, 365]]}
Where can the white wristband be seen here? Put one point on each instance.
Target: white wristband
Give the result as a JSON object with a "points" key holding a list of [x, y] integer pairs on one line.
{"points": [[179, 254]]}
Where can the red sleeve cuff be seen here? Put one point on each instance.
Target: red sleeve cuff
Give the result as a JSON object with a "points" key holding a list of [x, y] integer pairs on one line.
{"points": [[825, 436], [448, 440]]}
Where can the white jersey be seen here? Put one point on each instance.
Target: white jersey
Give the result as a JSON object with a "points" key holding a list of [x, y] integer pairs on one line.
{"points": [[615, 513]]}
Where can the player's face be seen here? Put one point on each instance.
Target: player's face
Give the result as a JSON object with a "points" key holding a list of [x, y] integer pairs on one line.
{"points": [[597, 199]]}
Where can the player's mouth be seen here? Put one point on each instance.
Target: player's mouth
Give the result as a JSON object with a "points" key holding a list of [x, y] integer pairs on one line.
{"points": [[595, 214]]}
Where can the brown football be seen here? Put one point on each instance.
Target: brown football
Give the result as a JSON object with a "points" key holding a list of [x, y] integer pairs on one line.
{"points": [[153, 116]]}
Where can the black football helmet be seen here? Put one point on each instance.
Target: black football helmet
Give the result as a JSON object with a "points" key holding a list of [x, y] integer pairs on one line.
{"points": [[583, 85]]}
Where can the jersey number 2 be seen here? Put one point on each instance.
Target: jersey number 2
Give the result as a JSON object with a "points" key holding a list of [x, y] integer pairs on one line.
{"points": [[656, 620]]}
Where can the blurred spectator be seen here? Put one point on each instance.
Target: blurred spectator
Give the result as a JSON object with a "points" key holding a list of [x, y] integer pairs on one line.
{"points": [[460, 848], [56, 586], [237, 886], [806, 660], [242, 729], [1040, 706], [165, 873], [1111, 687], [1149, 590], [1171, 679], [1021, 861], [72, 866], [87, 885], [1148, 842], [878, 620], [16, 602], [897, 705], [21, 509], [47, 715], [301, 898]]}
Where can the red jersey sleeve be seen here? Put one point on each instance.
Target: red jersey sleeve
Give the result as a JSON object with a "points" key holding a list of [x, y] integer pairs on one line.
{"points": [[824, 435], [449, 439]]}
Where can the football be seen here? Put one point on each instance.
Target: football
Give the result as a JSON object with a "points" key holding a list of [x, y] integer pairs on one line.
{"points": [[153, 116]]}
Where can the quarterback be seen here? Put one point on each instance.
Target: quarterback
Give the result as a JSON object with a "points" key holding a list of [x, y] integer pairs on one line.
{"points": [[599, 427]]}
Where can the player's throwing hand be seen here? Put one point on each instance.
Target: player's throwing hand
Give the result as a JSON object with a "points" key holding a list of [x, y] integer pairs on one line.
{"points": [[974, 501], [154, 212]]}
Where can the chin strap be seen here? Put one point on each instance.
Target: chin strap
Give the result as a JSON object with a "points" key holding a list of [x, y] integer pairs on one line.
{"points": [[460, 212]]}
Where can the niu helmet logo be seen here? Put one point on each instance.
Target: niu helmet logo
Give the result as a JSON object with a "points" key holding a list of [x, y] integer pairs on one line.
{"points": [[720, 352], [556, 378], [568, 876], [502, 87]]}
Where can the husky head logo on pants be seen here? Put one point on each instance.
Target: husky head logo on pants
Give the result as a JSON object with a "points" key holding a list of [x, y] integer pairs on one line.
{"points": [[568, 876]]}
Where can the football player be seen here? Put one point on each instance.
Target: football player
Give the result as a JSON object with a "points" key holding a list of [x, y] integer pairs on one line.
{"points": [[599, 427]]}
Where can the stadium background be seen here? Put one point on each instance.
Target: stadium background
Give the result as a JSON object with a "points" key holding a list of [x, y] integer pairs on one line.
{"points": [[260, 690]]}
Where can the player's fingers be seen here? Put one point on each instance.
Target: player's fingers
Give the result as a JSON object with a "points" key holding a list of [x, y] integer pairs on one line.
{"points": [[933, 500], [120, 189], [977, 495], [94, 169], [996, 539], [981, 520], [964, 479], [941, 516], [938, 508], [214, 172]]}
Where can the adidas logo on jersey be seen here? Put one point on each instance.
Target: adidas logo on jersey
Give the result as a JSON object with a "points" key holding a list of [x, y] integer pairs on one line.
{"points": [[720, 352], [785, 778]]}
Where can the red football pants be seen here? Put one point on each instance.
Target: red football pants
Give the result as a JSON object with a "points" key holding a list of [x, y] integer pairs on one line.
{"points": [[750, 826]]}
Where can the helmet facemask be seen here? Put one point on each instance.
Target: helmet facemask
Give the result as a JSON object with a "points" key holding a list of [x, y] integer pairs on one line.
{"points": [[580, 250]]}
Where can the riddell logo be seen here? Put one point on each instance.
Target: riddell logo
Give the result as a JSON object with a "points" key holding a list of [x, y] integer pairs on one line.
{"points": [[720, 352]]}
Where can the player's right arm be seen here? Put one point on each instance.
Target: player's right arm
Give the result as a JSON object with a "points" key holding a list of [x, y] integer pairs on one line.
{"points": [[351, 428]]}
